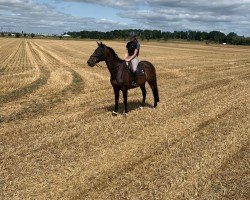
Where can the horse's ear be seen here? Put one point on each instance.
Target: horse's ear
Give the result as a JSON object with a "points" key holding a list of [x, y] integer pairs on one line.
{"points": [[98, 43], [102, 44]]}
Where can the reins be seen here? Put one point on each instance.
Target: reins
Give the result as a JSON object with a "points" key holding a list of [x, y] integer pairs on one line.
{"points": [[98, 65]]}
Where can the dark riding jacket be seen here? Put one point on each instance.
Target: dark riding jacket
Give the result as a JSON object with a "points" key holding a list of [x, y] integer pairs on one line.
{"points": [[132, 46]]}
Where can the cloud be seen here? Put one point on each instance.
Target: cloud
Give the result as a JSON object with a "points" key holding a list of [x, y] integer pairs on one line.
{"points": [[228, 15], [121, 4], [166, 15], [18, 15]]}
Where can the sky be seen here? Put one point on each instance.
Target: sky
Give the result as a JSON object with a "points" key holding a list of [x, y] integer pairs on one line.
{"points": [[59, 16]]}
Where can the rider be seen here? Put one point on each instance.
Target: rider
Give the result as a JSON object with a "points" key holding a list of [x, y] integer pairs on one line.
{"points": [[132, 56]]}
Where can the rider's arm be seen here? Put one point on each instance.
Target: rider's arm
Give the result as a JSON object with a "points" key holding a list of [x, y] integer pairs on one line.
{"points": [[126, 56]]}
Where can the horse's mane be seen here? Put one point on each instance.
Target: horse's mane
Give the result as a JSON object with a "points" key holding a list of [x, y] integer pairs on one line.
{"points": [[115, 55]]}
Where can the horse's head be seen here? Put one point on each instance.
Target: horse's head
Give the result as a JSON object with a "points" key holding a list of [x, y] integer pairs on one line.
{"points": [[98, 55]]}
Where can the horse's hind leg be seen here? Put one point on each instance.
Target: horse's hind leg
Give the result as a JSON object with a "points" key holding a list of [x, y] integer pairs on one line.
{"points": [[153, 85], [144, 93]]}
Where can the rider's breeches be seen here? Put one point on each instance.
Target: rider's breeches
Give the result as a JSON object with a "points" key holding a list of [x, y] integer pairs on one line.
{"points": [[134, 63]]}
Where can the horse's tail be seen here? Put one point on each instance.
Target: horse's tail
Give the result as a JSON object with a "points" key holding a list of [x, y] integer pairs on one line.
{"points": [[154, 87]]}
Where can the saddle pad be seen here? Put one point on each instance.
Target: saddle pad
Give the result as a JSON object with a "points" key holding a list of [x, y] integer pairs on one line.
{"points": [[140, 70]]}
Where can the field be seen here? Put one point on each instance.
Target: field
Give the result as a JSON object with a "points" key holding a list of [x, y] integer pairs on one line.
{"points": [[58, 139]]}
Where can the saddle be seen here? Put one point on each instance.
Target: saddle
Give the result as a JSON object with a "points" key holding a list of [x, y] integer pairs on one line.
{"points": [[139, 71]]}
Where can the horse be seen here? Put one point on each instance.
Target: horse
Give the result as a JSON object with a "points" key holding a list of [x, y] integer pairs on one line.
{"points": [[120, 75]]}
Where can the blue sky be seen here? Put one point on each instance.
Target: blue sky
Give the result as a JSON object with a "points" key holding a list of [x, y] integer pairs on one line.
{"points": [[58, 16], [83, 9]]}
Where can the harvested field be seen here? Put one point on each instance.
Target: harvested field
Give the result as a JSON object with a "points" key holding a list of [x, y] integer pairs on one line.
{"points": [[58, 139]]}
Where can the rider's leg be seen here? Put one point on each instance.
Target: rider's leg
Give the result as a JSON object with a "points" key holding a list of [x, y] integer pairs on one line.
{"points": [[134, 63]]}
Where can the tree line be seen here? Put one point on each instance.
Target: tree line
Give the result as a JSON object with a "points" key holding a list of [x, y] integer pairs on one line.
{"points": [[213, 36], [16, 34]]}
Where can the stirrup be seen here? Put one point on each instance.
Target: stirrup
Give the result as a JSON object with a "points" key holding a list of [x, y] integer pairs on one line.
{"points": [[134, 84]]}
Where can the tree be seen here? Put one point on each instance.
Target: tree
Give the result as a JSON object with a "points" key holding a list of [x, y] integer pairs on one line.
{"points": [[156, 34], [25, 34], [147, 34], [176, 35], [17, 35], [204, 36], [9, 34], [32, 35], [198, 36], [183, 35], [231, 38], [2, 34], [191, 35], [217, 36], [167, 35]]}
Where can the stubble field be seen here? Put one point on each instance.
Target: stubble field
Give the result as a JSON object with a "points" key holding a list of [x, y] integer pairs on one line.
{"points": [[58, 139]]}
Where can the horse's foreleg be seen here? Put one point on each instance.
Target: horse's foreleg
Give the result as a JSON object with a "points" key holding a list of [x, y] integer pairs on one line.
{"points": [[116, 91], [144, 93], [125, 100]]}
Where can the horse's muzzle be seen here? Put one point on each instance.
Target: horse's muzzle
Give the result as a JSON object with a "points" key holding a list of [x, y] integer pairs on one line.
{"points": [[91, 63]]}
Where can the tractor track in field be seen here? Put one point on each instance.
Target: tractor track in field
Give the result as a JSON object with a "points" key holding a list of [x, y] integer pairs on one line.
{"points": [[46, 63], [7, 49], [9, 57], [29, 88]]}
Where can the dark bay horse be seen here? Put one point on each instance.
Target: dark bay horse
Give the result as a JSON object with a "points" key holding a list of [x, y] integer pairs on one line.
{"points": [[121, 76]]}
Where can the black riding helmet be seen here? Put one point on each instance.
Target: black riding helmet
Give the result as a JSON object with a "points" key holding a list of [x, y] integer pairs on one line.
{"points": [[132, 34]]}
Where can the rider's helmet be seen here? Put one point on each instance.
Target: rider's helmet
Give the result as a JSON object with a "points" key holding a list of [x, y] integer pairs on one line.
{"points": [[132, 34]]}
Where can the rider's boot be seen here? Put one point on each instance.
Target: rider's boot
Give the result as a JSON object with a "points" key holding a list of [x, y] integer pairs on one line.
{"points": [[134, 83]]}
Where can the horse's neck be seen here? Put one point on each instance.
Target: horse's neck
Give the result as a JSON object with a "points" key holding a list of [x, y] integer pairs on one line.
{"points": [[113, 63]]}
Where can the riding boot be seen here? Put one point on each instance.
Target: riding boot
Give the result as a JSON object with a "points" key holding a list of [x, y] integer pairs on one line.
{"points": [[134, 84]]}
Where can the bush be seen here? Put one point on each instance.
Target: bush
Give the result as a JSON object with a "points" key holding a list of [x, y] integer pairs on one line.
{"points": [[17, 35]]}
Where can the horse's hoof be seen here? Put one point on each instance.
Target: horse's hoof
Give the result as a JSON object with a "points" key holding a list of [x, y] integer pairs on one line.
{"points": [[125, 114], [114, 113], [141, 107]]}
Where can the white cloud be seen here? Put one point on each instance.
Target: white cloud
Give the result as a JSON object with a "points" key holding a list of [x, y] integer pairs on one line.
{"points": [[167, 15], [230, 15], [122, 4], [18, 15]]}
